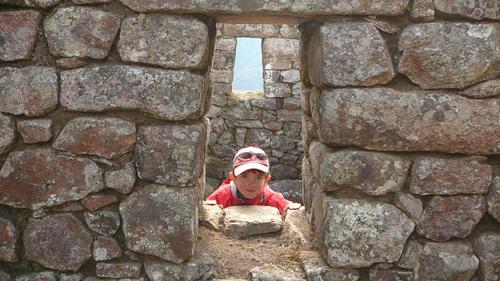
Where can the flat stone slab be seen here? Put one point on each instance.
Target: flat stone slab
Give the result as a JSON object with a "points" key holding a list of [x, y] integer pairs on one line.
{"points": [[316, 269], [7, 133], [200, 267], [478, 10], [118, 270], [8, 240], [31, 91], [487, 249], [242, 221], [37, 276], [416, 121], [211, 216], [164, 94], [81, 32], [35, 130], [292, 8], [31, 3], [40, 178], [449, 55], [271, 272], [19, 33], [164, 40], [349, 54]]}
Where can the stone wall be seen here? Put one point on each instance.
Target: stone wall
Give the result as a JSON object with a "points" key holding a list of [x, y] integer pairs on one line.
{"points": [[103, 135]]}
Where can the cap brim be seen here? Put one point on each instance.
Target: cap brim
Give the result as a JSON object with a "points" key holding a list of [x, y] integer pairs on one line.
{"points": [[250, 166]]}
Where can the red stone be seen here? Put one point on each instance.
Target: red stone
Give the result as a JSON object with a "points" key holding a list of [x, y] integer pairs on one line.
{"points": [[95, 202], [8, 238], [18, 31]]}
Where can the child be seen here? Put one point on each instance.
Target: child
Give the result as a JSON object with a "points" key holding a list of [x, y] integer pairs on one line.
{"points": [[247, 183]]}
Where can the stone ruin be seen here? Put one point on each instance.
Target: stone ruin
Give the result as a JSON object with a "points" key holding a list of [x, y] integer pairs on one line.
{"points": [[105, 132]]}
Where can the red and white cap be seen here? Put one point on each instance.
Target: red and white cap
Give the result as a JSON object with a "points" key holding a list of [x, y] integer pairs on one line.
{"points": [[258, 160]]}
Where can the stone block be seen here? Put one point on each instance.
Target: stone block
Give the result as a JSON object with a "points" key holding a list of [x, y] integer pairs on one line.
{"points": [[291, 189], [284, 172], [307, 183], [95, 202], [422, 10], [118, 270], [478, 10], [493, 199], [383, 25], [8, 241], [19, 33], [243, 221], [40, 178], [272, 272], [31, 91], [287, 115], [164, 94], [70, 63], [316, 269], [37, 276], [409, 204], [487, 249], [103, 222], [225, 44], [81, 32], [71, 277], [106, 248], [349, 54], [411, 255], [166, 40], [200, 267], [277, 90], [259, 137], [7, 133], [290, 76], [415, 121], [122, 180], [36, 130], [449, 55], [89, 2], [223, 60], [389, 275], [161, 221], [211, 216], [482, 90]]}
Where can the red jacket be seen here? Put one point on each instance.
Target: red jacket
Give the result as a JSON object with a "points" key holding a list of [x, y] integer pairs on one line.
{"points": [[226, 196]]}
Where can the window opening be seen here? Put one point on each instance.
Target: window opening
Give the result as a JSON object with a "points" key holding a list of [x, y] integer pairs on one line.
{"points": [[248, 70]]}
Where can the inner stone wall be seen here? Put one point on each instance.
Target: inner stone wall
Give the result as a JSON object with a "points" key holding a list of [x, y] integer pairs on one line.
{"points": [[103, 136]]}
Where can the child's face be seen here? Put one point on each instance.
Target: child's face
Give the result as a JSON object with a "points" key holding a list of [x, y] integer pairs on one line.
{"points": [[251, 182]]}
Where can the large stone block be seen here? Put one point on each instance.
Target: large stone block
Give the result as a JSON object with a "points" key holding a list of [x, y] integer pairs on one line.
{"points": [[7, 133], [349, 54], [161, 221], [103, 137], [40, 178], [486, 89], [31, 3], [242, 221], [449, 55], [31, 91], [200, 267], [478, 10], [165, 94], [487, 248], [164, 40], [18, 31], [316, 269], [171, 154], [267, 7], [385, 119], [37, 276], [81, 32], [494, 199], [357, 233], [8, 240], [371, 172], [58, 241], [452, 216]]}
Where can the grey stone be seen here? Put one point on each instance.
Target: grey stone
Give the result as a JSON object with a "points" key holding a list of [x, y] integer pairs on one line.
{"points": [[261, 30], [270, 272], [280, 53], [487, 249], [411, 255], [277, 90], [291, 189], [103, 222], [282, 142], [225, 43], [171, 154], [103, 137], [4, 276], [446, 262], [284, 172], [31, 3], [478, 10], [37, 276], [349, 54], [35, 130], [220, 93], [409, 204], [389, 275], [416, 122], [40, 178], [493, 199], [448, 55], [317, 270], [47, 241], [70, 63], [211, 216], [71, 277], [31, 91], [8, 240], [297, 229], [307, 183], [243, 221], [383, 25], [88, 2], [357, 233], [286, 115], [19, 32], [165, 94], [165, 40], [452, 216], [223, 60], [259, 137], [81, 32], [118, 270], [200, 267], [7, 133], [422, 10], [106, 248], [290, 76], [483, 90], [170, 236], [371, 172], [211, 184], [432, 175], [122, 180]]}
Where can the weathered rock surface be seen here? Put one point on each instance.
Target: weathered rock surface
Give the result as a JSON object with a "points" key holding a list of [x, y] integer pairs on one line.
{"points": [[431, 175], [388, 275], [31, 91], [7, 133], [449, 55], [95, 202], [411, 255], [48, 239], [409, 204], [416, 122], [171, 154], [8, 240], [300, 7], [198, 268], [71, 277], [170, 236], [316, 269], [211, 216], [165, 94], [291, 189], [349, 54], [103, 222], [280, 53], [31, 3], [271, 272], [19, 31], [446, 262], [38, 276], [259, 30], [449, 217], [70, 63], [165, 40], [371, 172], [422, 10], [242, 221], [478, 10], [357, 233], [122, 180], [103, 137], [4, 276], [85, 2], [106, 248], [487, 249], [483, 90], [35, 130], [40, 178], [494, 199], [81, 32], [118, 270]]}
